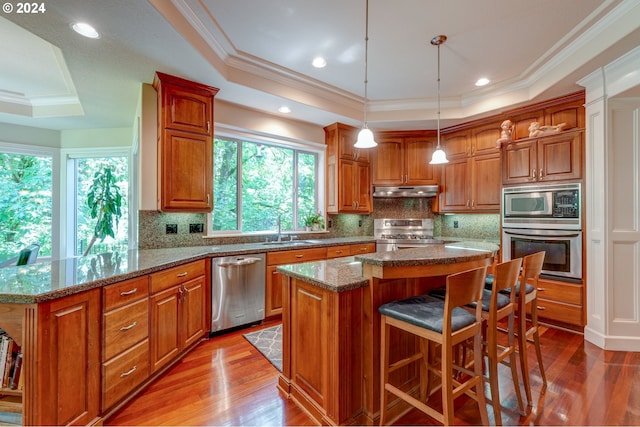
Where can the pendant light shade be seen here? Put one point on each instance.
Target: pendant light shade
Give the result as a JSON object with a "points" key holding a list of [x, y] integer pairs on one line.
{"points": [[439, 156], [365, 136]]}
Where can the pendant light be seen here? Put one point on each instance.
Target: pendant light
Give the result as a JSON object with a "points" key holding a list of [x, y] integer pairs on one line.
{"points": [[439, 157], [365, 136]]}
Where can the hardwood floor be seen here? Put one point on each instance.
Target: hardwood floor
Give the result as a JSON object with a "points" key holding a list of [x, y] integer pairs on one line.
{"points": [[226, 381]]}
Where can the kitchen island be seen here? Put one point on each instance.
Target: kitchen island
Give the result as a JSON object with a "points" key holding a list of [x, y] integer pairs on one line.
{"points": [[331, 325]]}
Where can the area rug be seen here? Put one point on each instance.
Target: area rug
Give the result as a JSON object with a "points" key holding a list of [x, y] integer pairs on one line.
{"points": [[268, 342]]}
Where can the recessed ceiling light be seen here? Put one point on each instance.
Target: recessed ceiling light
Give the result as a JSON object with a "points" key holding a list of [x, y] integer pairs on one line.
{"points": [[483, 81], [284, 109], [319, 62], [85, 29]]}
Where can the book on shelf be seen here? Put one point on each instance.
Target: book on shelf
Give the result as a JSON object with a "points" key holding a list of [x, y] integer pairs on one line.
{"points": [[10, 363]]}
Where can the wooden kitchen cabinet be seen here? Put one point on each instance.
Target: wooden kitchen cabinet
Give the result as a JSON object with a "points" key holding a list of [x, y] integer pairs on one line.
{"points": [[125, 338], [185, 144], [402, 158], [562, 302], [556, 157], [177, 311], [349, 250], [348, 178], [273, 291]]}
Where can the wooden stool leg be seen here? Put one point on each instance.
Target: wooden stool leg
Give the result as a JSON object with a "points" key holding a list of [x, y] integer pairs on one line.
{"points": [[492, 356], [512, 363], [536, 339], [424, 370], [522, 349], [482, 403], [447, 384], [384, 368]]}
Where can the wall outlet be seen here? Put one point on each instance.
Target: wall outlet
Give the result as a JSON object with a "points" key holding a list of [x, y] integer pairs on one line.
{"points": [[329, 224], [196, 228], [171, 229], [455, 224], [359, 223]]}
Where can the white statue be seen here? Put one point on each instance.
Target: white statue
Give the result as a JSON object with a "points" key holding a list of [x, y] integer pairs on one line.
{"points": [[506, 133], [536, 130]]}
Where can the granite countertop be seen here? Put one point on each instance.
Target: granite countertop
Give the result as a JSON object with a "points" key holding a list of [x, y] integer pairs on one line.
{"points": [[344, 274], [44, 281]]}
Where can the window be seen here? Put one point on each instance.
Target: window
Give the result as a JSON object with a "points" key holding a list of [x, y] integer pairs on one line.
{"points": [[26, 203], [82, 171], [257, 182]]}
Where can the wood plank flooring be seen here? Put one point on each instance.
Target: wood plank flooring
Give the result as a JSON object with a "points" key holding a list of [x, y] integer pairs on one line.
{"points": [[226, 381]]}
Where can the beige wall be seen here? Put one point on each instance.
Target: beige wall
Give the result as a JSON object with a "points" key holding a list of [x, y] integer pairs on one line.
{"points": [[87, 138]]}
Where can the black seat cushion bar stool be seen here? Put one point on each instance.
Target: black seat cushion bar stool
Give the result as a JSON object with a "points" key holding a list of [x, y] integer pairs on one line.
{"points": [[497, 306], [436, 322]]}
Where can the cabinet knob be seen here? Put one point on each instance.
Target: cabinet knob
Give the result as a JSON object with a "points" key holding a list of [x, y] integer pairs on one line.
{"points": [[533, 174], [540, 173]]}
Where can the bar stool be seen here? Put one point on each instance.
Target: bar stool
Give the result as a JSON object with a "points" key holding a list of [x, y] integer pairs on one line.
{"points": [[445, 323], [496, 306], [531, 268]]}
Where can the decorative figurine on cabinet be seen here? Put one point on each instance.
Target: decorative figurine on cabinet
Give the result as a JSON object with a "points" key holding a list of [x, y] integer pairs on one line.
{"points": [[506, 133], [536, 130]]}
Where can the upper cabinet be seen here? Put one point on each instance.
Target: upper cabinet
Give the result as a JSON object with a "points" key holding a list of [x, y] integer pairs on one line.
{"points": [[471, 181], [556, 157], [402, 158], [185, 144], [348, 177]]}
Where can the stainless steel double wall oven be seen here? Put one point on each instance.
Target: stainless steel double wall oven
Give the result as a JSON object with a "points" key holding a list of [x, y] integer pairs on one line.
{"points": [[545, 218]]}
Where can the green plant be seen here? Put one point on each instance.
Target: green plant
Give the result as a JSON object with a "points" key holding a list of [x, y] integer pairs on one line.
{"points": [[105, 201], [314, 219]]}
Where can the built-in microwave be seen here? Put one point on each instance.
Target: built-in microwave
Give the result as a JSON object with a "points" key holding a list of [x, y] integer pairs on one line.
{"points": [[549, 206]]}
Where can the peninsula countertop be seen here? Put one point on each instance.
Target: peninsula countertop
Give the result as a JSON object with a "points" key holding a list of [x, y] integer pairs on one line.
{"points": [[344, 274], [48, 280]]}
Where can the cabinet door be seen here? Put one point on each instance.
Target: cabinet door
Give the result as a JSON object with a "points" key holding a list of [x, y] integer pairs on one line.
{"points": [[165, 327], [186, 172], [417, 155], [519, 164], [456, 144], [483, 139], [273, 292], [346, 195], [193, 305], [522, 121], [487, 183], [69, 372], [346, 139], [454, 196], [560, 157], [187, 110], [387, 162], [362, 188]]}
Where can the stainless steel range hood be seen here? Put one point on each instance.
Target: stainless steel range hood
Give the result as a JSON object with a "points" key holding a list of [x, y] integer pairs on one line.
{"points": [[406, 191]]}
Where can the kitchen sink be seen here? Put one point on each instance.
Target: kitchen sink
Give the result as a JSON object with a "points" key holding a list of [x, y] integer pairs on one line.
{"points": [[291, 243]]}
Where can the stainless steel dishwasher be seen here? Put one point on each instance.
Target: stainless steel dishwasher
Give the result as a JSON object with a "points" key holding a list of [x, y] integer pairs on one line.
{"points": [[237, 291]]}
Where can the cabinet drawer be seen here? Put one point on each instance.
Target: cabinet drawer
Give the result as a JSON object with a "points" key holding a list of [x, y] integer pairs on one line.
{"points": [[172, 276], [567, 313], [338, 251], [124, 327], [299, 255], [559, 291], [122, 293], [364, 248], [123, 373]]}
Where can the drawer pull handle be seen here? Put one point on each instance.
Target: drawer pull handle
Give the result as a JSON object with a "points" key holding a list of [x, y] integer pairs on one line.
{"points": [[131, 292], [182, 274], [539, 307], [129, 372], [299, 256], [541, 289], [338, 252], [310, 295], [126, 328]]}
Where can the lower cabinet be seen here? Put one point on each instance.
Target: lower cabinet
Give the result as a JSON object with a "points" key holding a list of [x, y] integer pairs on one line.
{"points": [[178, 311], [561, 302]]}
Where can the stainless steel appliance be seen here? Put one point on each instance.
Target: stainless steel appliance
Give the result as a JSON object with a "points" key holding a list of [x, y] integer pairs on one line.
{"points": [[545, 218], [406, 191], [237, 291], [563, 249], [394, 234], [551, 206]]}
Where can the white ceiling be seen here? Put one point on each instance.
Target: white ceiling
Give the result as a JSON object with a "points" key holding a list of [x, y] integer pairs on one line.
{"points": [[259, 52]]}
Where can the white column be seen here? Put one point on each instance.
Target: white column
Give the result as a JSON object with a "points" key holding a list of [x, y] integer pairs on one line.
{"points": [[612, 207]]}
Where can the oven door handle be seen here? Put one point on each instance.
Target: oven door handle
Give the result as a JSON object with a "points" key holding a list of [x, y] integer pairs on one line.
{"points": [[540, 235]]}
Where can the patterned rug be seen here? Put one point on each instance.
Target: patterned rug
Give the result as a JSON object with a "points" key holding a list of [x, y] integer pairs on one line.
{"points": [[268, 342]]}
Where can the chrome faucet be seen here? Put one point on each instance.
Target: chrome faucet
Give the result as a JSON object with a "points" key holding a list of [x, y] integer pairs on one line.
{"points": [[279, 228]]}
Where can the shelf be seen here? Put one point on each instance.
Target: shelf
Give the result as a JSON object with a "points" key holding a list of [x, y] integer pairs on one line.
{"points": [[11, 404], [10, 392]]}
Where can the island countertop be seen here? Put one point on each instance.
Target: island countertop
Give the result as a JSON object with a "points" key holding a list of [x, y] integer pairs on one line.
{"points": [[344, 274]]}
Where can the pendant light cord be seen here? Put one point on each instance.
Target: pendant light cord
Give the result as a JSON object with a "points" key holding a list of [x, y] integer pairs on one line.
{"points": [[438, 145], [366, 60]]}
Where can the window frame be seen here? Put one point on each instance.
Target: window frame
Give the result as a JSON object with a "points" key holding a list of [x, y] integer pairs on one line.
{"points": [[289, 143]]}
